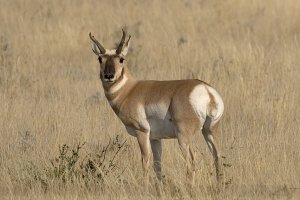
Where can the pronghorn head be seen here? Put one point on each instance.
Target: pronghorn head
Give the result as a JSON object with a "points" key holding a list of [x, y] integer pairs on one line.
{"points": [[111, 61]]}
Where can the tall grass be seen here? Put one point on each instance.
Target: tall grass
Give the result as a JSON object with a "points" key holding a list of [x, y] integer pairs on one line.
{"points": [[51, 97]]}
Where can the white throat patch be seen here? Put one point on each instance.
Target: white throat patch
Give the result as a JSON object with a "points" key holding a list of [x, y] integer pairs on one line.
{"points": [[116, 87]]}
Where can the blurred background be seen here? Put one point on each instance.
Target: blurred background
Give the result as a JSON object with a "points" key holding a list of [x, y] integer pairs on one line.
{"points": [[55, 122]]}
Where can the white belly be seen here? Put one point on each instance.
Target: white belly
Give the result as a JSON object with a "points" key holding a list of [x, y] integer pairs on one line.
{"points": [[161, 128], [156, 119], [160, 121]]}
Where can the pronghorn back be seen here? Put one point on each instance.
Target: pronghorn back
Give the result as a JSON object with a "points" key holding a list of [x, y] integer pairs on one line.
{"points": [[157, 106]]}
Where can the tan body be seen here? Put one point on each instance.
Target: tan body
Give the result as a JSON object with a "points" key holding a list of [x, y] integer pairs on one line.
{"points": [[155, 110]]}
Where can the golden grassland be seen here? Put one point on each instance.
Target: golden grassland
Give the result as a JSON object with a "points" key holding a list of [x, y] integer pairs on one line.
{"points": [[60, 139]]}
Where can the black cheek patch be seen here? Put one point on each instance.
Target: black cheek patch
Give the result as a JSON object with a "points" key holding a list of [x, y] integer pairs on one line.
{"points": [[122, 60], [100, 59]]}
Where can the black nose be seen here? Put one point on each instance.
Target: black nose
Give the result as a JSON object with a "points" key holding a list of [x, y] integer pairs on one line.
{"points": [[108, 76]]}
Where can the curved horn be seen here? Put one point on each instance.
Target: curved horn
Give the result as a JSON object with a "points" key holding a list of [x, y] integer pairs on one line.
{"points": [[120, 47], [101, 48]]}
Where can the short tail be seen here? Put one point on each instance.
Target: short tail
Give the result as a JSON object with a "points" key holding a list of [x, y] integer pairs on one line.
{"points": [[215, 106]]}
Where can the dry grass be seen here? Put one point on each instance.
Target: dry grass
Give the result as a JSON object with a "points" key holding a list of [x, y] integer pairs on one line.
{"points": [[50, 95]]}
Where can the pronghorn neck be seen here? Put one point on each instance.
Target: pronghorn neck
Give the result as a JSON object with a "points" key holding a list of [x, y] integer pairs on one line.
{"points": [[117, 91]]}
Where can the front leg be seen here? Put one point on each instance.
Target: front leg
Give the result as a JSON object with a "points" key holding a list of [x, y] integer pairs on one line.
{"points": [[144, 143]]}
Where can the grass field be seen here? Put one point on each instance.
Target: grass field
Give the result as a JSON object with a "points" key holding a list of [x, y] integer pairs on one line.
{"points": [[59, 138]]}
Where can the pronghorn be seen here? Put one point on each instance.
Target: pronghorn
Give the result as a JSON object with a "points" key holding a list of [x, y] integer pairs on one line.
{"points": [[155, 110]]}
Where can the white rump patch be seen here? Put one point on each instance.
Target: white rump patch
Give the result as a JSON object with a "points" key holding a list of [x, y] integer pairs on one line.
{"points": [[217, 114], [199, 100]]}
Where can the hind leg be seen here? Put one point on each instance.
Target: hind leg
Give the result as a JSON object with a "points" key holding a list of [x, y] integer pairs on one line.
{"points": [[157, 152], [188, 154], [185, 132], [209, 133]]}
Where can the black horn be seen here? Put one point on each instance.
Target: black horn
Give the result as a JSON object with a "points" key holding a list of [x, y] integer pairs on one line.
{"points": [[120, 47], [102, 49]]}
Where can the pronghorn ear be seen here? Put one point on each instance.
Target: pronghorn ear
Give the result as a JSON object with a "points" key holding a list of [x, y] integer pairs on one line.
{"points": [[126, 47], [95, 49]]}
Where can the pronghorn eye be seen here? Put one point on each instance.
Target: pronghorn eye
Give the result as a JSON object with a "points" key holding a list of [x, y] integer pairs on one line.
{"points": [[100, 59], [122, 60]]}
